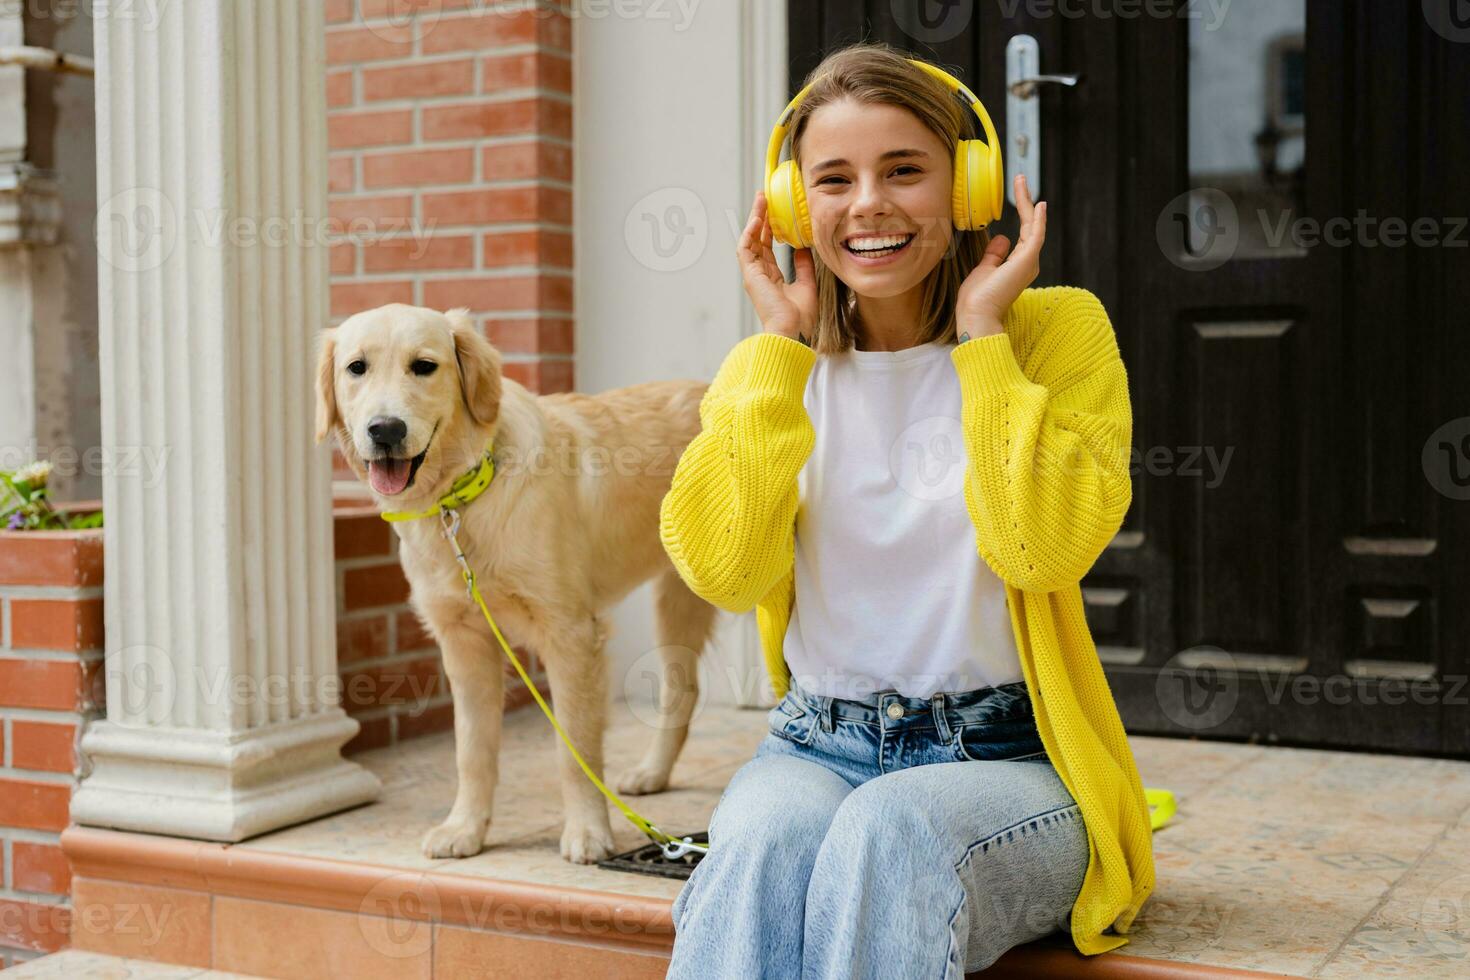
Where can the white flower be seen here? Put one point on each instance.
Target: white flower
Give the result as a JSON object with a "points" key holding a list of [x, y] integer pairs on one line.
{"points": [[34, 474]]}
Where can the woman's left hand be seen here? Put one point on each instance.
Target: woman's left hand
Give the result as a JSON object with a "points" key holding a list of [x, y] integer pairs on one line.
{"points": [[995, 283]]}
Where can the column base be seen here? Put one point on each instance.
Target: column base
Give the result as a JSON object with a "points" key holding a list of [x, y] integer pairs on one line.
{"points": [[218, 786]]}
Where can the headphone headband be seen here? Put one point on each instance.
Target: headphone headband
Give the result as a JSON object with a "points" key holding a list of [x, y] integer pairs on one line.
{"points": [[783, 123]]}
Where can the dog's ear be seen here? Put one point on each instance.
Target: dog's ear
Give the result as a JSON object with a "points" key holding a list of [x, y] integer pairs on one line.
{"points": [[326, 391], [479, 367]]}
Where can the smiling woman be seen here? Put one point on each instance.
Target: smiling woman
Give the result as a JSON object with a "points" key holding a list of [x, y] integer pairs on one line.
{"points": [[907, 474]]}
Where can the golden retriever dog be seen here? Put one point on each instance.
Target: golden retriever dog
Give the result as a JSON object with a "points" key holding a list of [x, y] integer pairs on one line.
{"points": [[568, 526]]}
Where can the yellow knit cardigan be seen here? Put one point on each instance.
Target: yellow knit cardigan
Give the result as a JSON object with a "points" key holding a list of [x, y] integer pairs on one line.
{"points": [[1048, 429]]}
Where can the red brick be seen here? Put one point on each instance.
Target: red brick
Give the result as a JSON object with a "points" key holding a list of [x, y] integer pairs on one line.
{"points": [[393, 255], [343, 259], [56, 624], [532, 336], [51, 684], [412, 634], [362, 639], [413, 723], [475, 33], [346, 130], [359, 216], [475, 120], [542, 377], [427, 10], [527, 158], [376, 585], [415, 168], [539, 247], [36, 806], [338, 11], [35, 926], [411, 684], [341, 173], [354, 297], [419, 80], [339, 88], [43, 745], [40, 868], [531, 70], [501, 293], [361, 535], [483, 207], [50, 557], [347, 45]]}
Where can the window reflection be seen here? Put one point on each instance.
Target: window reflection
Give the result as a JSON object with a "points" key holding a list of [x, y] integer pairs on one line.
{"points": [[1247, 108]]}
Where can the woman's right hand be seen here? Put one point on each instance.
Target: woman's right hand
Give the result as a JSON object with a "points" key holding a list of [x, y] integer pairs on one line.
{"points": [[789, 309]]}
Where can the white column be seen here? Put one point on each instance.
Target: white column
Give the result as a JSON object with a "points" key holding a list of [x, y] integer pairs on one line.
{"points": [[222, 703]]}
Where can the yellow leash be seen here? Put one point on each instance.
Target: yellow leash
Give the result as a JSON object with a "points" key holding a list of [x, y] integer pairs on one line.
{"points": [[466, 489]]}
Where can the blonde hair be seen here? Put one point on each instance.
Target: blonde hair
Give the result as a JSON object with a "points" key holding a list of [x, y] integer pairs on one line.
{"points": [[876, 73]]}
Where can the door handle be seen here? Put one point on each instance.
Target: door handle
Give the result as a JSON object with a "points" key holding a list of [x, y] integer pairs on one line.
{"points": [[1023, 112], [1025, 88]]}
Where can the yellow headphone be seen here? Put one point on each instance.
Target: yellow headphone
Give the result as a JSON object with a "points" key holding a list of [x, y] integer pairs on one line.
{"points": [[979, 178]]}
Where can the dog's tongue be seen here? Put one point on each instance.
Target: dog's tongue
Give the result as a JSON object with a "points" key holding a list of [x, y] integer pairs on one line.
{"points": [[388, 476]]}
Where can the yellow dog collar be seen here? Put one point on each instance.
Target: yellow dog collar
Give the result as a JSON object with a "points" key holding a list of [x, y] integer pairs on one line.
{"points": [[465, 489]]}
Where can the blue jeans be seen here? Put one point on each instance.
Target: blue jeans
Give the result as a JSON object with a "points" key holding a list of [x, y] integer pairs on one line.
{"points": [[887, 837]]}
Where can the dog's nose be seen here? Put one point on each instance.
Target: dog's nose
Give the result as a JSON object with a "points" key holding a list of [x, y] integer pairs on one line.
{"points": [[387, 430]]}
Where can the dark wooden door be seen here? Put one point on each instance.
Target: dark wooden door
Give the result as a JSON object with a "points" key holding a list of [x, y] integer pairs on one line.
{"points": [[1270, 202]]}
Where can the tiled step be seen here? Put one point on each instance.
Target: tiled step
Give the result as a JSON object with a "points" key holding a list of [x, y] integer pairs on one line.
{"points": [[1294, 862], [201, 906]]}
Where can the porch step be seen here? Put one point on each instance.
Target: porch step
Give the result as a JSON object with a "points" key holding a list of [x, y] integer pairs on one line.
{"points": [[1292, 862], [201, 906]]}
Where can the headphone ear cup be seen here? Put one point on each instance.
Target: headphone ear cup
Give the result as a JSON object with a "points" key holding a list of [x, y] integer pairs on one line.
{"points": [[977, 185], [786, 207], [997, 186], [960, 193]]}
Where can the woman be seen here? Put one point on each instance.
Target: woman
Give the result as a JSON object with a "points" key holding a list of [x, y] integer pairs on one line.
{"points": [[907, 473]]}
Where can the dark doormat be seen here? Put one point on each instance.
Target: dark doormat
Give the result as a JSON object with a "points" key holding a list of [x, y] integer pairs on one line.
{"points": [[649, 859]]}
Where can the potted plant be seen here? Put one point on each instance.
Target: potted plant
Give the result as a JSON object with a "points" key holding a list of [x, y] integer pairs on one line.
{"points": [[24, 504]]}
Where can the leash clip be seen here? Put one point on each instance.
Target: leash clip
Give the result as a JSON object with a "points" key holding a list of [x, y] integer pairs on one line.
{"points": [[449, 522], [676, 847], [674, 850]]}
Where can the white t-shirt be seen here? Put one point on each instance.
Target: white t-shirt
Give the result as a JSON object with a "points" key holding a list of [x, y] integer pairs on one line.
{"points": [[891, 593]]}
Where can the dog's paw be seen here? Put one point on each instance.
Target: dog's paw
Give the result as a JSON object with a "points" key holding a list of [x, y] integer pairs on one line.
{"points": [[643, 779], [586, 843], [455, 838]]}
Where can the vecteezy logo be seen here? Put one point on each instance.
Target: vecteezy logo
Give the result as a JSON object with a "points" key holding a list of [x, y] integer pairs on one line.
{"points": [[1198, 695], [397, 16], [927, 459], [136, 230], [666, 231], [932, 21], [1450, 19], [662, 689], [396, 917], [1199, 230], [1446, 459]]}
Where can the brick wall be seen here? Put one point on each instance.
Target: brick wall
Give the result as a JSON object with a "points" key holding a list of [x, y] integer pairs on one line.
{"points": [[451, 169], [51, 683]]}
